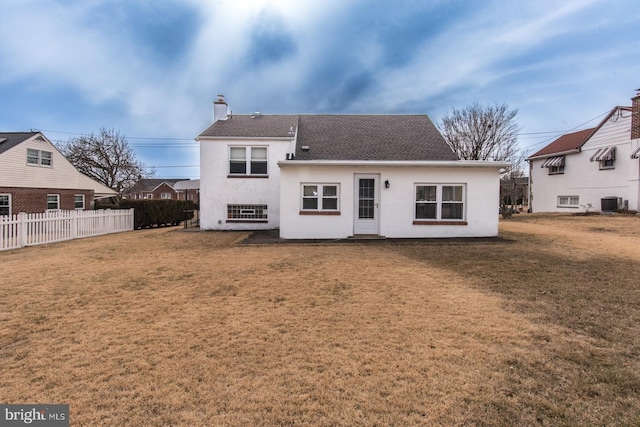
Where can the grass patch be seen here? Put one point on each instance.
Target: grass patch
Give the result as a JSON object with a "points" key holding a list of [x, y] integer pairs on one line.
{"points": [[539, 328]]}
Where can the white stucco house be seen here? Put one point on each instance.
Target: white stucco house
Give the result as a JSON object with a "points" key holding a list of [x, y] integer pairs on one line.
{"points": [[590, 170], [340, 176]]}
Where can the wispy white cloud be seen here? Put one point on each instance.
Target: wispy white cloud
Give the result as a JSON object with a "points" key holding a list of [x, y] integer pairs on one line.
{"points": [[154, 68]]}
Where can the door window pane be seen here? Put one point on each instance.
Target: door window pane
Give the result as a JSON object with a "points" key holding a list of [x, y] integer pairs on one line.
{"points": [[366, 191]]}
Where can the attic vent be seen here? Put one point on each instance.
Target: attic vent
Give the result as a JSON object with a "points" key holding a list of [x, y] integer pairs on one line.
{"points": [[256, 115], [2, 140], [305, 148]]}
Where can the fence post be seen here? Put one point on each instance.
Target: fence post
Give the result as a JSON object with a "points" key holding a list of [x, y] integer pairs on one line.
{"points": [[110, 222], [74, 224], [22, 229]]}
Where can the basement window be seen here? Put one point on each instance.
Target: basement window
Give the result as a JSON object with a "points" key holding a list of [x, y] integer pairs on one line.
{"points": [[568, 201], [247, 213]]}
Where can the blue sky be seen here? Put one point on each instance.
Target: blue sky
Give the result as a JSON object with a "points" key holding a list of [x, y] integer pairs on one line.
{"points": [[152, 68]]}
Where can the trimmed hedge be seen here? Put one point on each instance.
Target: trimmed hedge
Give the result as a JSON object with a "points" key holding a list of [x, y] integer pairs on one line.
{"points": [[148, 213]]}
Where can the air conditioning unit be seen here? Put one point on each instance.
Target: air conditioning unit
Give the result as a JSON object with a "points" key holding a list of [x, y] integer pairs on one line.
{"points": [[612, 204]]}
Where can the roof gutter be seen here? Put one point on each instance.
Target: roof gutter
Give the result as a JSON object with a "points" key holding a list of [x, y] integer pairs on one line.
{"points": [[397, 163], [243, 138], [561, 153]]}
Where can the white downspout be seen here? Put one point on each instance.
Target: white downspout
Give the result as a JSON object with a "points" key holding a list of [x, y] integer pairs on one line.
{"points": [[293, 144]]}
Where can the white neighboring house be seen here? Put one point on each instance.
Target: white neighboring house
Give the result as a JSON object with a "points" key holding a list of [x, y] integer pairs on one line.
{"points": [[594, 169], [36, 177], [339, 176]]}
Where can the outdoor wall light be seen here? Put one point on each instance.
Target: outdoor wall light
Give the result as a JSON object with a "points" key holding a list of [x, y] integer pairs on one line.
{"points": [[387, 184]]}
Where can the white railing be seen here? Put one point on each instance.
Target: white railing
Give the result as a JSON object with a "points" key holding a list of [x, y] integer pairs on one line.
{"points": [[18, 231]]}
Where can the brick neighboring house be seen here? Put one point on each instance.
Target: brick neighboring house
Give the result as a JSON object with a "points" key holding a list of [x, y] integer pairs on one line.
{"points": [[36, 177], [160, 188]]}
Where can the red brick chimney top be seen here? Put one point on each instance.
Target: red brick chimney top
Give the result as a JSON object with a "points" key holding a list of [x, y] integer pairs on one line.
{"points": [[635, 115]]}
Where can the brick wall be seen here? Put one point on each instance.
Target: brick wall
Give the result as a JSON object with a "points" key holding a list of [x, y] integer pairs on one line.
{"points": [[33, 200], [635, 117], [164, 188]]}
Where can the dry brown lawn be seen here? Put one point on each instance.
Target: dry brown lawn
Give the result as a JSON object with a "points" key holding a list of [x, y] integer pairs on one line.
{"points": [[163, 327]]}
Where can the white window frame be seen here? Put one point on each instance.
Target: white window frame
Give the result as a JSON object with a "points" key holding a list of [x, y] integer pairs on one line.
{"points": [[319, 197], [57, 202], [248, 159], [46, 160], [75, 201], [439, 202], [556, 170], [148, 196], [565, 201], [607, 164], [165, 196], [8, 205], [39, 157]]}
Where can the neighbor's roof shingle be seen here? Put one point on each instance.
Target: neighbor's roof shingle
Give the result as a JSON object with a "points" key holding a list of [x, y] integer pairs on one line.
{"points": [[149, 184], [345, 137], [11, 139], [567, 142]]}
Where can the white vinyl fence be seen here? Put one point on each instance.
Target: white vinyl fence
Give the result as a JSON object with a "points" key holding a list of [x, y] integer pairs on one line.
{"points": [[18, 231]]}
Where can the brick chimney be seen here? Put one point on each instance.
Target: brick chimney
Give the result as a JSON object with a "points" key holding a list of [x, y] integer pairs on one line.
{"points": [[220, 108], [635, 116]]}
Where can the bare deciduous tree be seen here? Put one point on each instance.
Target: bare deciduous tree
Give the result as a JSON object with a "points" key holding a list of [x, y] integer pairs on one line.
{"points": [[489, 133], [513, 188], [482, 133], [107, 158]]}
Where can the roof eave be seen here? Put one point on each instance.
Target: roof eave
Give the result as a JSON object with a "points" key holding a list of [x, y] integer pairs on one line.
{"points": [[396, 163], [244, 138], [561, 153]]}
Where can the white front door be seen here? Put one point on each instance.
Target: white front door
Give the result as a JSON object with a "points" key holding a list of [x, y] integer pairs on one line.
{"points": [[366, 204]]}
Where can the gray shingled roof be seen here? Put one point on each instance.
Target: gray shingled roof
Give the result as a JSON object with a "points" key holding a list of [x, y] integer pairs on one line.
{"points": [[11, 139], [149, 184], [258, 126], [345, 137], [371, 137]]}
